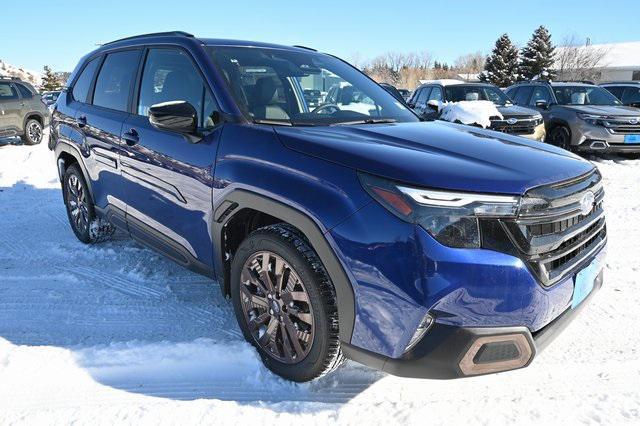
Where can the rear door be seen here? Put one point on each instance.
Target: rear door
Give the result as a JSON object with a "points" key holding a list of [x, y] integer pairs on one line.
{"points": [[168, 175], [10, 107], [101, 120]]}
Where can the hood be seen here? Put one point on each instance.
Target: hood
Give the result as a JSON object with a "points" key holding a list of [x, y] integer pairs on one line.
{"points": [[615, 110], [515, 111], [439, 155]]}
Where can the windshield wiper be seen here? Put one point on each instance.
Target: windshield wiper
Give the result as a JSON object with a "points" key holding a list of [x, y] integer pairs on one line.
{"points": [[367, 121], [273, 122]]}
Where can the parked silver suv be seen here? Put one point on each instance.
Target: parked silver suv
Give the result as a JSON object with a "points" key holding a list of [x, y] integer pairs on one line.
{"points": [[22, 112], [581, 117]]}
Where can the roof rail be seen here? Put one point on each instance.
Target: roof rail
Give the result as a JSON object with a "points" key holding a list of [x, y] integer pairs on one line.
{"points": [[621, 82], [9, 77], [575, 81], [304, 47], [166, 33]]}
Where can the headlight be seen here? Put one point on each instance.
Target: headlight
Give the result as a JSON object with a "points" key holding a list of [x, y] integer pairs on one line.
{"points": [[451, 217], [593, 119]]}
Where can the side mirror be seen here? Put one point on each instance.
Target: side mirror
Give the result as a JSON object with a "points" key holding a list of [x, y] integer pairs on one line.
{"points": [[411, 105], [434, 105], [542, 104], [176, 116]]}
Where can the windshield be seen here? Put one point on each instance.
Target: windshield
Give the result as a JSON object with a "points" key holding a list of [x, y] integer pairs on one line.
{"points": [[461, 92], [304, 88], [584, 95]]}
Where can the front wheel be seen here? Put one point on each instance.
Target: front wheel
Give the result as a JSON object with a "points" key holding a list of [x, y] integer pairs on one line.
{"points": [[561, 137], [32, 132], [80, 210], [285, 303]]}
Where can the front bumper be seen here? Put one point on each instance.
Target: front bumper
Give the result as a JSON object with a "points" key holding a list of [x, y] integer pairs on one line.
{"points": [[592, 138], [449, 352]]}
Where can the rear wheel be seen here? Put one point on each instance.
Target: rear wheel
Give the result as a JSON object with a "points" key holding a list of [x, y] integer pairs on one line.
{"points": [[285, 303], [32, 132], [80, 210], [561, 137]]}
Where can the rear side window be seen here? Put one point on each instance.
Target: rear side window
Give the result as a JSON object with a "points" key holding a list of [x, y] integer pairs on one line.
{"points": [[83, 83], [169, 75], [24, 92], [631, 95], [115, 79], [616, 91], [523, 95], [7, 92]]}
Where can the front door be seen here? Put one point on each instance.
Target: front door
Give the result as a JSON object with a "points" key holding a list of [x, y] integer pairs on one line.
{"points": [[168, 175]]}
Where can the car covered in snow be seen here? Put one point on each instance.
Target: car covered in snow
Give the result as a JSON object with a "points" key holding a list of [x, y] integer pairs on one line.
{"points": [[476, 104], [581, 116], [424, 249]]}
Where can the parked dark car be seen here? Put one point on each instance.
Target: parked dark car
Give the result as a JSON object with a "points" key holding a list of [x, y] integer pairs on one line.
{"points": [[427, 101], [425, 249], [628, 92], [406, 94], [581, 117], [394, 92]]}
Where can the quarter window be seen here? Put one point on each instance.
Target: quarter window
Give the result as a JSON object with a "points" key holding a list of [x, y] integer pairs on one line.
{"points": [[114, 81], [170, 75], [24, 92], [7, 92], [83, 83]]}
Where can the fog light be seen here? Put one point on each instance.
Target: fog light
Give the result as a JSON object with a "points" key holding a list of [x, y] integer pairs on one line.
{"points": [[424, 326], [491, 354]]}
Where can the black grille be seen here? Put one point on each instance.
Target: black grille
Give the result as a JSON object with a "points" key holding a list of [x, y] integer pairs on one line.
{"points": [[555, 241], [521, 127], [622, 126]]}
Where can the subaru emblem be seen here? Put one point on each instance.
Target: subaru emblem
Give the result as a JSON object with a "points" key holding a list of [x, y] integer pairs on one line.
{"points": [[633, 121], [512, 121], [586, 203]]}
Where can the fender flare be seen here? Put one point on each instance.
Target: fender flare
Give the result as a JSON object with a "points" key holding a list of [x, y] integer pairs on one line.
{"points": [[29, 115], [67, 148], [239, 199]]}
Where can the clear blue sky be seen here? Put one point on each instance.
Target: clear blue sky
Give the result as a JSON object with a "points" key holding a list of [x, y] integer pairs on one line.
{"points": [[58, 33]]}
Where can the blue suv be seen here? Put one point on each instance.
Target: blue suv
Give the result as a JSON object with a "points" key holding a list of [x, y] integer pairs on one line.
{"points": [[343, 229]]}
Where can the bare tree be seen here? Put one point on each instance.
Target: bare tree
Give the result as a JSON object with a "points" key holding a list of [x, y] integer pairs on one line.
{"points": [[580, 61], [472, 63]]}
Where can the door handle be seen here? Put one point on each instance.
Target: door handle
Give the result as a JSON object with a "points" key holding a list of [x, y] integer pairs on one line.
{"points": [[81, 121], [131, 137]]}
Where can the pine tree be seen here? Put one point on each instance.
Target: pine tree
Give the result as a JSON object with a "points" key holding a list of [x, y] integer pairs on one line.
{"points": [[50, 80], [538, 56], [501, 67]]}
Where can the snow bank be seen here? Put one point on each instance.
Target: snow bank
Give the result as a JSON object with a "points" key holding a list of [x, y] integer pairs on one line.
{"points": [[470, 112]]}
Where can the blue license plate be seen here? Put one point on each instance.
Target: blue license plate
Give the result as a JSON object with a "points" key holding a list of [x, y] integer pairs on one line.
{"points": [[631, 138], [584, 282]]}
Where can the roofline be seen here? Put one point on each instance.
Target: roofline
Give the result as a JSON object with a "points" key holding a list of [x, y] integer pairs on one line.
{"points": [[166, 33]]}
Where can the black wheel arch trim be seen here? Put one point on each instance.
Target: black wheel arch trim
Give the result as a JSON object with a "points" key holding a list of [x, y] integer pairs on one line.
{"points": [[28, 116], [240, 199], [69, 149]]}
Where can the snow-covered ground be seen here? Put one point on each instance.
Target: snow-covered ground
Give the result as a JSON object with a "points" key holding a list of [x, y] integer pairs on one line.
{"points": [[115, 333]]}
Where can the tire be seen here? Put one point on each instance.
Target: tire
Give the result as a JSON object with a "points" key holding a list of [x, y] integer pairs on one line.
{"points": [[80, 209], [268, 312], [560, 136], [33, 132]]}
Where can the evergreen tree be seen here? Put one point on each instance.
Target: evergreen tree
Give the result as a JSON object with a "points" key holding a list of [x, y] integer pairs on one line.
{"points": [[538, 56], [50, 80], [501, 67]]}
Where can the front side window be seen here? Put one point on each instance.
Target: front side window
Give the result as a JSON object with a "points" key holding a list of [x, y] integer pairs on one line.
{"points": [[584, 95], [462, 92], [114, 81], [170, 75], [275, 85], [523, 95], [81, 87], [540, 94], [421, 100], [436, 94], [616, 91], [7, 92]]}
